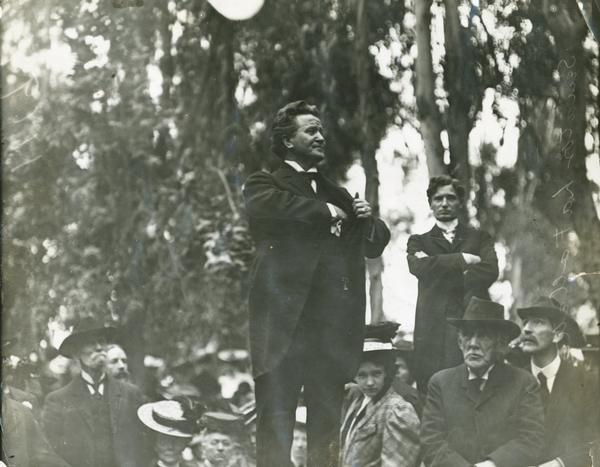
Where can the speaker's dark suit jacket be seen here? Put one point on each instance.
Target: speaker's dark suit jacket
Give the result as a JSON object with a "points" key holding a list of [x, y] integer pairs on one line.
{"points": [[23, 443], [68, 423], [446, 284], [291, 228], [504, 423], [572, 416]]}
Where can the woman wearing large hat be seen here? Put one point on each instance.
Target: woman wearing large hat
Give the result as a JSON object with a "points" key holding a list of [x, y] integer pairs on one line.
{"points": [[172, 422], [379, 427]]}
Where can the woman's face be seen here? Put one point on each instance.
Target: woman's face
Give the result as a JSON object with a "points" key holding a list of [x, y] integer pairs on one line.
{"points": [[169, 448], [370, 378]]}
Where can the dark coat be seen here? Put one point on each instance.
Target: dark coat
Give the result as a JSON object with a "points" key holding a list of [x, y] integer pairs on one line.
{"points": [[290, 227], [23, 443], [67, 421], [446, 284], [505, 423], [386, 436], [572, 416]]}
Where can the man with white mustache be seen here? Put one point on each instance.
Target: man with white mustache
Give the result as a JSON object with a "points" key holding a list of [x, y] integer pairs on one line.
{"points": [[483, 413]]}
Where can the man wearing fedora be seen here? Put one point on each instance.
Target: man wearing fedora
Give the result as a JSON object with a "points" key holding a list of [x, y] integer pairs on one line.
{"points": [[307, 293], [484, 412], [453, 262], [92, 421], [569, 394]]}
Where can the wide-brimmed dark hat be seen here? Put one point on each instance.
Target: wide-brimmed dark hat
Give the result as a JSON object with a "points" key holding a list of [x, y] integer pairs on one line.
{"points": [[378, 337], [543, 307], [86, 331], [486, 313]]}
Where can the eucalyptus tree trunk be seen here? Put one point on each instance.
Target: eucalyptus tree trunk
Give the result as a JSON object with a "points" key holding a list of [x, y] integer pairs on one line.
{"points": [[427, 111], [369, 147]]}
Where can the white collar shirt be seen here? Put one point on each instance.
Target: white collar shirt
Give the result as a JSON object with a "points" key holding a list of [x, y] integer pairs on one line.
{"points": [[549, 371], [484, 377], [336, 225], [92, 385], [448, 229]]}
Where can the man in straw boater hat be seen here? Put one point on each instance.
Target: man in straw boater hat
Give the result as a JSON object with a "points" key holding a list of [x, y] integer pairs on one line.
{"points": [[173, 422], [484, 412], [92, 422], [569, 394], [379, 427]]}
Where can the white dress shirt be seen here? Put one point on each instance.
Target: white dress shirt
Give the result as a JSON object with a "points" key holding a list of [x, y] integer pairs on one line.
{"points": [[549, 371], [483, 377], [337, 222], [448, 229], [91, 384]]}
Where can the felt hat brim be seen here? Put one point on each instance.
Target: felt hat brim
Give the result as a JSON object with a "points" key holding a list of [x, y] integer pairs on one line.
{"points": [[553, 314], [510, 328], [77, 339]]}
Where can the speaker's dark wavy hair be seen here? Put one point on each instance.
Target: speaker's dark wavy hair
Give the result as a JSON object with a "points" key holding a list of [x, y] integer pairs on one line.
{"points": [[442, 180], [284, 124]]}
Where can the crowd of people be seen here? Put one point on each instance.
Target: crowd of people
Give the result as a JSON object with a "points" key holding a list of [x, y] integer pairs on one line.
{"points": [[474, 389]]}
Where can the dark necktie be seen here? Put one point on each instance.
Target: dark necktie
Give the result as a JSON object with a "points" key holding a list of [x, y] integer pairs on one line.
{"points": [[311, 177], [475, 385], [545, 393]]}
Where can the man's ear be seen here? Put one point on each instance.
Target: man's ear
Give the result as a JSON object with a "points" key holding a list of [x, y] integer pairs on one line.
{"points": [[287, 143], [559, 333]]}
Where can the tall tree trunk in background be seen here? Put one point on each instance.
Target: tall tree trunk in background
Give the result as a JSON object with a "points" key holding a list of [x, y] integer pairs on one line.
{"points": [[427, 110], [571, 189], [458, 120], [369, 147]]}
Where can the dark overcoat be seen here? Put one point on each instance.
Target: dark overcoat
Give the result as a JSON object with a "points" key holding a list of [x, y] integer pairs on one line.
{"points": [[446, 284], [68, 422], [23, 443], [291, 229], [504, 423], [572, 416]]}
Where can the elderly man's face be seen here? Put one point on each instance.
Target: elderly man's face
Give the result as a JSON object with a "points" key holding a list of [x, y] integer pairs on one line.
{"points": [[93, 355], [217, 448], [480, 347], [307, 144], [116, 362], [445, 203]]}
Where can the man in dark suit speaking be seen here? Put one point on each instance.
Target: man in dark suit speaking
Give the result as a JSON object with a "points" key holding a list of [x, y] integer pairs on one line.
{"points": [[453, 262], [307, 296]]}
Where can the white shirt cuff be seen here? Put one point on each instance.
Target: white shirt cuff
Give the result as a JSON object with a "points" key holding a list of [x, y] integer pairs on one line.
{"points": [[332, 210]]}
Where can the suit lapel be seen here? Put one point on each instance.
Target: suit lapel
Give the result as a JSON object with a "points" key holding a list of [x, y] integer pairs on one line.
{"points": [[459, 237], [114, 401], [467, 388], [554, 410], [491, 386], [438, 237], [81, 393], [295, 181]]}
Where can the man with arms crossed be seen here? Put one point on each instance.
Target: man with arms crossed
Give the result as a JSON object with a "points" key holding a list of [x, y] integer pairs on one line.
{"points": [[307, 296], [453, 262]]}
